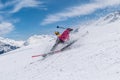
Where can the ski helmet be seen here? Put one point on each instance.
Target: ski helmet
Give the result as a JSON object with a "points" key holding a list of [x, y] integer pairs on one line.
{"points": [[57, 33]]}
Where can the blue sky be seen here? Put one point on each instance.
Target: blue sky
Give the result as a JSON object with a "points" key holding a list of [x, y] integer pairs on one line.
{"points": [[20, 19]]}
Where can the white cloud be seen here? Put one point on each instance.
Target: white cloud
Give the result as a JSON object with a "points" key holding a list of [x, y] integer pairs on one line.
{"points": [[24, 4], [79, 10], [17, 5], [5, 28]]}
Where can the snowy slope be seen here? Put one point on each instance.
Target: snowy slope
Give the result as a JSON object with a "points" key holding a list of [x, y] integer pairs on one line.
{"points": [[95, 56]]}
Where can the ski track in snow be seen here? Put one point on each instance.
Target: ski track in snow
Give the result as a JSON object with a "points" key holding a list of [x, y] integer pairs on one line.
{"points": [[95, 56]]}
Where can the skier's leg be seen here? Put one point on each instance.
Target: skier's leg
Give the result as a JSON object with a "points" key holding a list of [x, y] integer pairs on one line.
{"points": [[57, 42], [53, 48]]}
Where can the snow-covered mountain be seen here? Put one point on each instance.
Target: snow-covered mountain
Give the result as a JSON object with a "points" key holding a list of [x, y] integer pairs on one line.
{"points": [[7, 45], [112, 17], [11, 42], [95, 56], [38, 39]]}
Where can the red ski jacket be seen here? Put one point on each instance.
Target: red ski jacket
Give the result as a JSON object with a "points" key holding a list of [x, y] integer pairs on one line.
{"points": [[65, 35]]}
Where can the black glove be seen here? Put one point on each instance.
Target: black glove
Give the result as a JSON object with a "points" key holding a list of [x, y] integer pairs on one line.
{"points": [[70, 29], [57, 26]]}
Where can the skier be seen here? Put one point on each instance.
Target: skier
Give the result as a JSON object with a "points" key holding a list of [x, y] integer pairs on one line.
{"points": [[61, 38]]}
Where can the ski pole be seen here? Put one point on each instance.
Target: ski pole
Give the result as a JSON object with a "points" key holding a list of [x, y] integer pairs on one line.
{"points": [[61, 27]]}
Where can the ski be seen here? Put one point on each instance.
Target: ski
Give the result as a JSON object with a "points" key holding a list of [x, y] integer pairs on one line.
{"points": [[54, 52], [45, 54]]}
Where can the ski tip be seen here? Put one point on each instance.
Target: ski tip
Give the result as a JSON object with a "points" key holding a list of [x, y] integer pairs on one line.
{"points": [[36, 56]]}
